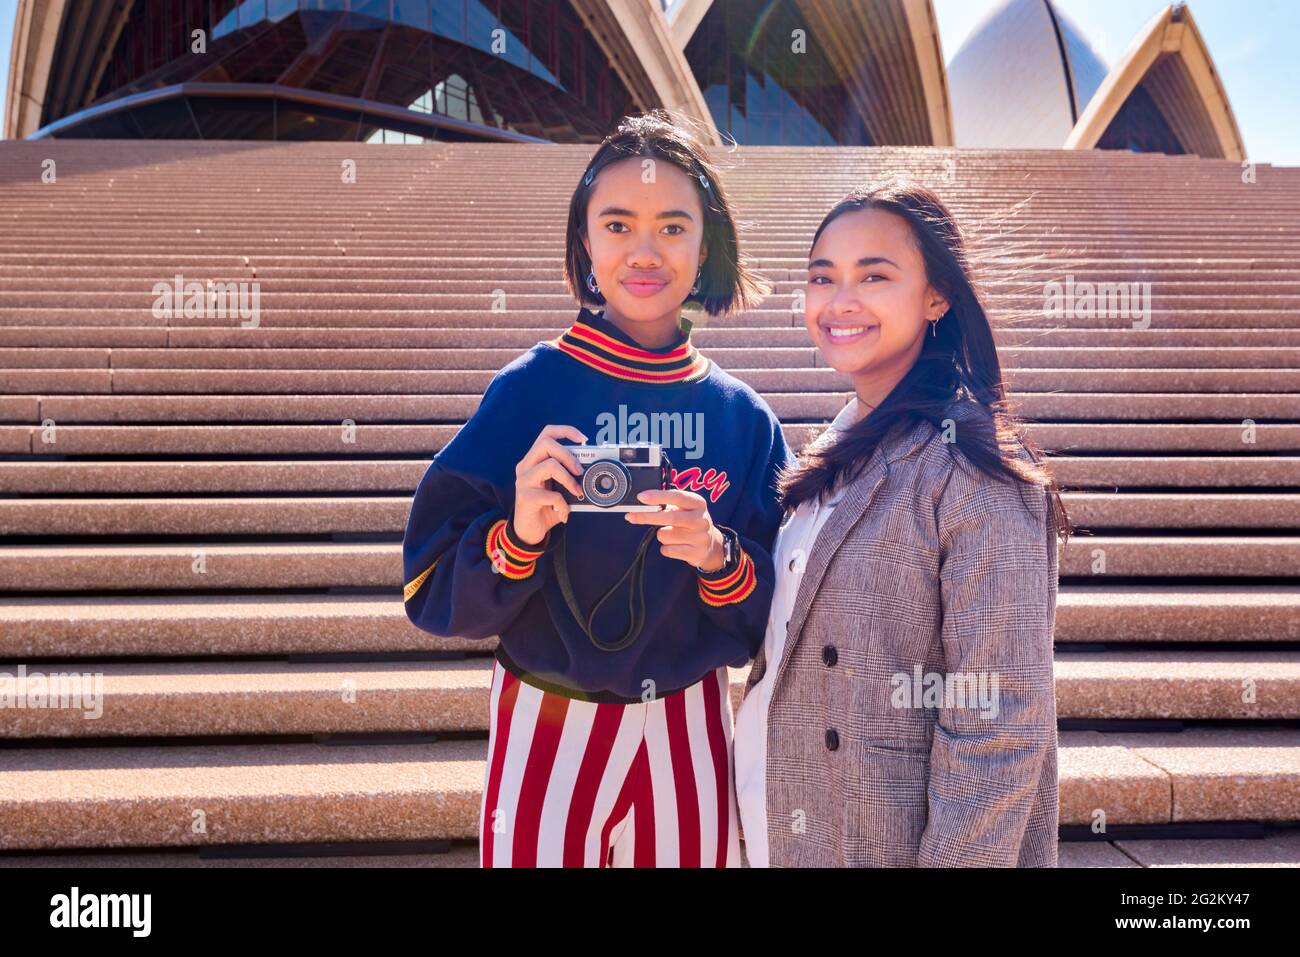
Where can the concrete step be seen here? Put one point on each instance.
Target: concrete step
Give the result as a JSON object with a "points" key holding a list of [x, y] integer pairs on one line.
{"points": [[82, 517], [1223, 774], [234, 625], [1194, 472], [145, 625], [1005, 272], [203, 516], [303, 312], [202, 566], [197, 477], [85, 381], [1087, 612], [282, 793], [214, 698], [1278, 849], [120, 440], [1075, 360], [119, 287], [1199, 555], [1185, 685], [1200, 510], [462, 854], [1088, 346], [789, 407]]}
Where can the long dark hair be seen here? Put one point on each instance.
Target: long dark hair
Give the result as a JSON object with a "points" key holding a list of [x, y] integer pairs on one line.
{"points": [[727, 283], [958, 363]]}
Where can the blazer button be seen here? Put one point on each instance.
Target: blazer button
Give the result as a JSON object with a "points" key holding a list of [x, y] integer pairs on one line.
{"points": [[830, 656], [832, 739]]}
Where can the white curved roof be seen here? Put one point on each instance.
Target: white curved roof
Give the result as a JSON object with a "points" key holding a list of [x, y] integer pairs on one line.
{"points": [[1022, 78]]}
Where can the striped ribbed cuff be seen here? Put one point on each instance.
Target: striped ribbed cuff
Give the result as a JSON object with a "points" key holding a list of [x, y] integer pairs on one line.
{"points": [[727, 588], [511, 557]]}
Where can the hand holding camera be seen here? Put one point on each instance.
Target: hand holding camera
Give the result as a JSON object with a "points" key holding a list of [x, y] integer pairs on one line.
{"points": [[686, 529], [633, 479], [538, 507]]}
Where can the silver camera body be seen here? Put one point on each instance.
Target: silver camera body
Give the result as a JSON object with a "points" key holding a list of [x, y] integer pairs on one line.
{"points": [[613, 475]]}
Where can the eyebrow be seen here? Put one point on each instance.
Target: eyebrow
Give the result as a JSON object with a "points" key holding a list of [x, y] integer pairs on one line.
{"points": [[865, 261], [666, 214]]}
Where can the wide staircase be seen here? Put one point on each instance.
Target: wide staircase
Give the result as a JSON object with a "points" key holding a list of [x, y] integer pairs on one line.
{"points": [[207, 511]]}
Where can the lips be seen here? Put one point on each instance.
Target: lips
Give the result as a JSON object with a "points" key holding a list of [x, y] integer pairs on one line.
{"points": [[846, 334], [644, 285]]}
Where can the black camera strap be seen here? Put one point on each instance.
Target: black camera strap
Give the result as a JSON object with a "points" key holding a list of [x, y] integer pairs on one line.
{"points": [[635, 594]]}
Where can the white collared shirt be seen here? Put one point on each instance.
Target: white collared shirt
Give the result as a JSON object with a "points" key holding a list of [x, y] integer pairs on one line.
{"points": [[794, 542]]}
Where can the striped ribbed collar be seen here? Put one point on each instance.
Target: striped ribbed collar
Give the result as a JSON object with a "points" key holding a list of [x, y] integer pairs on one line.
{"points": [[595, 341]]}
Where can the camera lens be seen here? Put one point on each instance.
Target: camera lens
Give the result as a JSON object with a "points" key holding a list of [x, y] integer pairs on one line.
{"points": [[606, 482]]}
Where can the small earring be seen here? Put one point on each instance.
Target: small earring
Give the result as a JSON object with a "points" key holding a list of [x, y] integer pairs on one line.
{"points": [[696, 288], [591, 282], [934, 327]]}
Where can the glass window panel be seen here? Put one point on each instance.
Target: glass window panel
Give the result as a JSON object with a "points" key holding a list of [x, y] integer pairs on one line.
{"points": [[371, 8], [294, 121], [169, 119], [251, 12], [479, 24], [233, 118], [449, 18], [414, 13], [224, 17]]}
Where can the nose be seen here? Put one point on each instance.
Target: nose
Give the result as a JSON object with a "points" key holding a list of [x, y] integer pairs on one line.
{"points": [[644, 255], [846, 301]]}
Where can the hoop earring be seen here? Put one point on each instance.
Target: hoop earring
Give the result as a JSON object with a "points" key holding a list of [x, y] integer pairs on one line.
{"points": [[591, 282]]}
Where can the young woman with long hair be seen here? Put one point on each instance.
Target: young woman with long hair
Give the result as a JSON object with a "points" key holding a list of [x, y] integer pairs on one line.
{"points": [[902, 710]]}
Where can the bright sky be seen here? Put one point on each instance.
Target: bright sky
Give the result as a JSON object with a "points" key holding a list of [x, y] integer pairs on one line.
{"points": [[1253, 43]]}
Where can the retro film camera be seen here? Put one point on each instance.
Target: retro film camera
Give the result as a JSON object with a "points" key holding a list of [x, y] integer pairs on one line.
{"points": [[613, 476]]}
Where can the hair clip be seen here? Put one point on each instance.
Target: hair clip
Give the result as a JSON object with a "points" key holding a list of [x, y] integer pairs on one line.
{"points": [[591, 174], [704, 181]]}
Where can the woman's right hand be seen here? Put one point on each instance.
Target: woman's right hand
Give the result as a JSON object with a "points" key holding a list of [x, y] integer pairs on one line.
{"points": [[538, 508]]}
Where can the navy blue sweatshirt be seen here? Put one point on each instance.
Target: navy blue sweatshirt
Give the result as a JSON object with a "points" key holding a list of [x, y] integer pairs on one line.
{"points": [[724, 444]]}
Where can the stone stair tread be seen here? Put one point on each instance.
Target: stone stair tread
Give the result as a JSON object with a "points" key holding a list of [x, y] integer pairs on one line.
{"points": [[153, 624], [145, 796], [217, 697], [461, 854]]}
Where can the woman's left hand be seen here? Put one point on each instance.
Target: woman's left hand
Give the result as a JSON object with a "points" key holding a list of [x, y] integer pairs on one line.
{"points": [[688, 532]]}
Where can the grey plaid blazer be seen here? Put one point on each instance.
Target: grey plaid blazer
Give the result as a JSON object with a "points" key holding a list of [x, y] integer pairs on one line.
{"points": [[928, 575]]}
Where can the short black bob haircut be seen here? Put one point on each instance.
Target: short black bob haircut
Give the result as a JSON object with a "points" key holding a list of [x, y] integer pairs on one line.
{"points": [[727, 284]]}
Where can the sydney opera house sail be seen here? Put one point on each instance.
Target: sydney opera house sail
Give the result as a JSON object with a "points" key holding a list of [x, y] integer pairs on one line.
{"points": [[789, 72], [1027, 77]]}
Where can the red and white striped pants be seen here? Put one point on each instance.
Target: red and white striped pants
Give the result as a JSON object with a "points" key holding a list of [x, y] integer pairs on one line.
{"points": [[576, 784]]}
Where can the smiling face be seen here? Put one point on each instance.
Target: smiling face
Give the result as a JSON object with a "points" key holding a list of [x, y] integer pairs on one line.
{"points": [[645, 240], [869, 302]]}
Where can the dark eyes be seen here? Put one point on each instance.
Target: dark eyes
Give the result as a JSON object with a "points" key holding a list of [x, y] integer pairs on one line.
{"points": [[817, 280], [676, 226]]}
